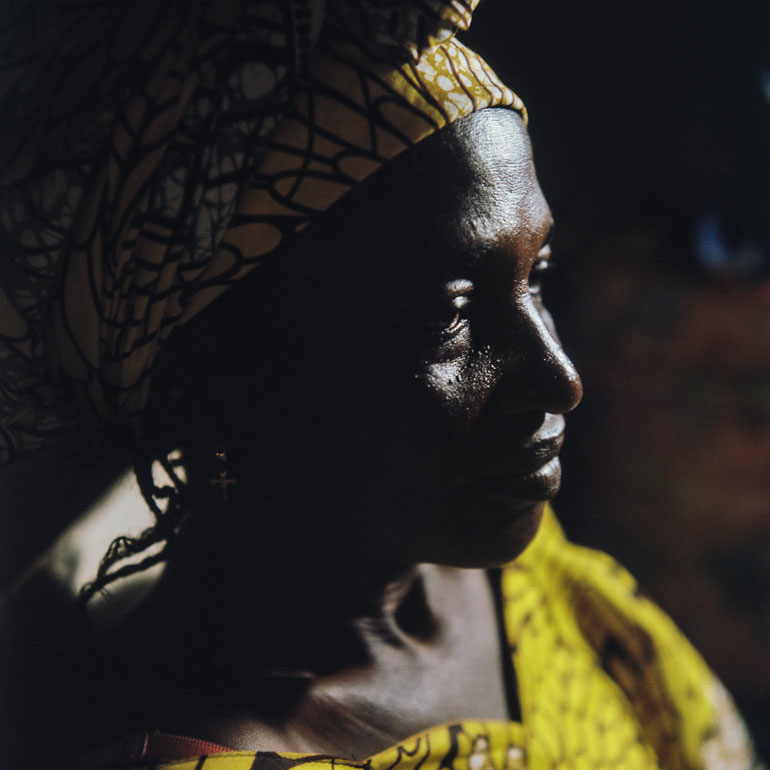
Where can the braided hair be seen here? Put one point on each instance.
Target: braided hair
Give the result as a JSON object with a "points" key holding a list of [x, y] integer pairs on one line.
{"points": [[166, 502], [169, 461]]}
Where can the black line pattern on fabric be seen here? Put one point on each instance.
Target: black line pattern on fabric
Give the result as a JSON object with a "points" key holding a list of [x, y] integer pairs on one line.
{"points": [[46, 248], [479, 82], [312, 129], [393, 97], [367, 100], [421, 743], [448, 760], [427, 753], [456, 72]]}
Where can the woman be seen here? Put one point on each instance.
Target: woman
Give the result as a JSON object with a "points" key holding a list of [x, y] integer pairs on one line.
{"points": [[355, 437]]}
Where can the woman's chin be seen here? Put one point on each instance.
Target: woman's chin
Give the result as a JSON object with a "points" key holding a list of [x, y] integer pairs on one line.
{"points": [[491, 534]]}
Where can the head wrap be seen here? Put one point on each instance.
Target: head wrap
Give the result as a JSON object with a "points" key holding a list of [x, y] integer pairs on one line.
{"points": [[151, 165]]}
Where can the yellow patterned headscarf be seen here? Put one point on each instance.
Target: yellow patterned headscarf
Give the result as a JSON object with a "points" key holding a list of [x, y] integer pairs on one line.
{"points": [[219, 134]]}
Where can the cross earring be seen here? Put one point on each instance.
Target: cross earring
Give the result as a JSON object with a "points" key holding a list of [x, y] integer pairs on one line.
{"points": [[223, 480]]}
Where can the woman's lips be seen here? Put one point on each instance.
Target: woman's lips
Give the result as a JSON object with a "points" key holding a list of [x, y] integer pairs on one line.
{"points": [[541, 484], [531, 472]]}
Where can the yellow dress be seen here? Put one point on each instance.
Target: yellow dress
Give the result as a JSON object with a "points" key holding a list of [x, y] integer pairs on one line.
{"points": [[605, 681]]}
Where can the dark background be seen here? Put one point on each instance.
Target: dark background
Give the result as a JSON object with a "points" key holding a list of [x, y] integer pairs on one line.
{"points": [[651, 130]]}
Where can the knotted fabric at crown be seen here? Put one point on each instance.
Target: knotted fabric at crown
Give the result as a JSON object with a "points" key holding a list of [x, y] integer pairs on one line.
{"points": [[246, 123]]}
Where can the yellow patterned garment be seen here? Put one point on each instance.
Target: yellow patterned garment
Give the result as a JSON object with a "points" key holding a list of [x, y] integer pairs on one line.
{"points": [[605, 681]]}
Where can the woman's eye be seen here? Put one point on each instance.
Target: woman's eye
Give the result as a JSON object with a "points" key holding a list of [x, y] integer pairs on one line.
{"points": [[450, 320], [540, 270]]}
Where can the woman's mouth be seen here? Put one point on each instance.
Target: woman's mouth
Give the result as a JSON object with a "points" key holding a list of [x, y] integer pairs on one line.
{"points": [[536, 486], [529, 473]]}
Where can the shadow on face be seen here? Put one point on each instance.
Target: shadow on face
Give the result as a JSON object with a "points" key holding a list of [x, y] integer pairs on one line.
{"points": [[392, 377]]}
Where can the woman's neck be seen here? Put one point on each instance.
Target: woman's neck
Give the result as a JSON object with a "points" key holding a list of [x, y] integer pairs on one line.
{"points": [[319, 674], [252, 642], [281, 593]]}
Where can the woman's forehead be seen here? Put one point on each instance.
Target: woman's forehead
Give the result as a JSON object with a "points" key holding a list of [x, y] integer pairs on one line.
{"points": [[494, 142], [483, 154], [474, 185], [487, 147], [446, 201]]}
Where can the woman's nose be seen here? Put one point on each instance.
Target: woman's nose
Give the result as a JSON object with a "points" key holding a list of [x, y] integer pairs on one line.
{"points": [[537, 374]]}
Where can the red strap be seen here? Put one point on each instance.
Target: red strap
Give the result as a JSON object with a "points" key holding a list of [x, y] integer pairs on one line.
{"points": [[147, 746], [164, 746]]}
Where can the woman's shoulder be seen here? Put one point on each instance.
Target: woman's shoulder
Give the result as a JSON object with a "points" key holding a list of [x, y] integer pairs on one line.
{"points": [[578, 623]]}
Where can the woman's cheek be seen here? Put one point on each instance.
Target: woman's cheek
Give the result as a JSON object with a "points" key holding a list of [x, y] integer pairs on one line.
{"points": [[460, 387]]}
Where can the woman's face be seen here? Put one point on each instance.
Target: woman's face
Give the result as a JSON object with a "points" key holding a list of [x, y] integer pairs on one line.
{"points": [[411, 394]]}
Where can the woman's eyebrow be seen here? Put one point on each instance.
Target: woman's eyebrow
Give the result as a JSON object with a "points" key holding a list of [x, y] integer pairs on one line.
{"points": [[472, 253]]}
